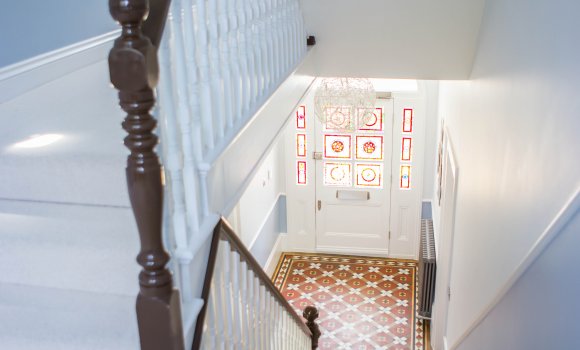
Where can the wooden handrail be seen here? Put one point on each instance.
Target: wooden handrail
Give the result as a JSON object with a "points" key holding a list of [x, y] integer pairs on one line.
{"points": [[223, 231], [155, 23], [134, 72]]}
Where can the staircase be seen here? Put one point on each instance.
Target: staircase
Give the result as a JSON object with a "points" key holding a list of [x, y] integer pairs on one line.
{"points": [[68, 235]]}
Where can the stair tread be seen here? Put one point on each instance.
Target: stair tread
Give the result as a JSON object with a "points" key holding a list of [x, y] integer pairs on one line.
{"points": [[87, 164], [76, 247], [40, 318]]}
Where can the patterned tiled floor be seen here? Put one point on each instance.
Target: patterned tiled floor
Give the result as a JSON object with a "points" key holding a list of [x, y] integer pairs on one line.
{"points": [[364, 303]]}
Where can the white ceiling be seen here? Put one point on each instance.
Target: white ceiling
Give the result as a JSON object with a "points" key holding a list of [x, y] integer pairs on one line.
{"points": [[419, 39]]}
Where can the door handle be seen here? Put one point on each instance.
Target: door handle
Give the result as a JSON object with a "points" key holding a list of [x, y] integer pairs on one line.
{"points": [[319, 205]]}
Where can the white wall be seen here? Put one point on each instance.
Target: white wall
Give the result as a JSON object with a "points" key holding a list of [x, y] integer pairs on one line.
{"points": [[31, 27], [515, 128], [421, 39], [541, 309], [432, 123], [261, 195]]}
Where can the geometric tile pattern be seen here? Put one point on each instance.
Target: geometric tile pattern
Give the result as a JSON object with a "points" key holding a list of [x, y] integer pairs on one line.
{"points": [[364, 303]]}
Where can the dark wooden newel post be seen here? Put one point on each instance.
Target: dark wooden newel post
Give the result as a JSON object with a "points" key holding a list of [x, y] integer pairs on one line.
{"points": [[134, 72], [311, 314]]}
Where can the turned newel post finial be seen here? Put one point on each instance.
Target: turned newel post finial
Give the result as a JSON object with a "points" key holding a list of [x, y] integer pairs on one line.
{"points": [[134, 72], [311, 314]]}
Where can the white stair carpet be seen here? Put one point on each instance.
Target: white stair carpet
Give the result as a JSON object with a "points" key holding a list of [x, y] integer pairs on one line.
{"points": [[68, 239]]}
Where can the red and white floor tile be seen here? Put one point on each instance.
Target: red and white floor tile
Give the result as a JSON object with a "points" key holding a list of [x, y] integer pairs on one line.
{"points": [[364, 303]]}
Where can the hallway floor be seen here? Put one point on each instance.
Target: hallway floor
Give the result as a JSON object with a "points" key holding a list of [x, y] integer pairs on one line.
{"points": [[364, 303]]}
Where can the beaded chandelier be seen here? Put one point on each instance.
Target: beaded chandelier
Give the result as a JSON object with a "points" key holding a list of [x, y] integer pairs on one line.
{"points": [[344, 104]]}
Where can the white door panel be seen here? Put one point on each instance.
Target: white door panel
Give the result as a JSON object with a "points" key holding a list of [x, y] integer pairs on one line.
{"points": [[354, 217]]}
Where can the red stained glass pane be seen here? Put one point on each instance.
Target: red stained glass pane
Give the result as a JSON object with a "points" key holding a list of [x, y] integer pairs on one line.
{"points": [[369, 175], [369, 147], [301, 145], [301, 117], [337, 174], [301, 172], [375, 123], [407, 120], [337, 146], [338, 119], [405, 182], [406, 149]]}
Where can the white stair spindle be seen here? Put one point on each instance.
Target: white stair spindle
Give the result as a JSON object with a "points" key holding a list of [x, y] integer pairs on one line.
{"points": [[207, 123], [247, 292], [228, 293], [251, 54], [217, 91], [235, 62], [300, 34], [269, 29], [210, 334], [301, 30], [184, 119], [236, 298], [280, 70], [291, 15], [269, 321], [264, 46], [189, 42], [245, 93], [257, 47], [287, 36], [273, 322], [172, 154], [220, 301], [224, 56], [257, 312]]}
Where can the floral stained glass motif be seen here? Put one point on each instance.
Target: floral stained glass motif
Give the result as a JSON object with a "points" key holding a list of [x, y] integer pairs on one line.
{"points": [[301, 172], [337, 146], [405, 182], [301, 117], [369, 175], [375, 123], [338, 118], [369, 147], [301, 145], [408, 120], [406, 149], [337, 174]]}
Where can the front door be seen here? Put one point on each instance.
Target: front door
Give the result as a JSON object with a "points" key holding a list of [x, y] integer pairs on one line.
{"points": [[353, 184]]}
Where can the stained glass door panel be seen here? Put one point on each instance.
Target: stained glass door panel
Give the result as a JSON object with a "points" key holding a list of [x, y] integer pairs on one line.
{"points": [[337, 146], [350, 183], [369, 147]]}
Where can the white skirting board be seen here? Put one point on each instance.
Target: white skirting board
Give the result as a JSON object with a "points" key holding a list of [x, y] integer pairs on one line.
{"points": [[23, 76]]}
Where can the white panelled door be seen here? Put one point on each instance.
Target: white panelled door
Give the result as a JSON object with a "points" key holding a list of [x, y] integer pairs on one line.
{"points": [[353, 184], [363, 195]]}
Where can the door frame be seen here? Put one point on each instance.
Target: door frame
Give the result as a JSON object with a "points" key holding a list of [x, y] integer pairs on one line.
{"points": [[445, 244]]}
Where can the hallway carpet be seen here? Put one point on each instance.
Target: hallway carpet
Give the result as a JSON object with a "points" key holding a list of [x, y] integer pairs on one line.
{"points": [[364, 303]]}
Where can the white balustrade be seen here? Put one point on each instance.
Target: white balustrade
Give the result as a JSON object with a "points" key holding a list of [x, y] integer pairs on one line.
{"points": [[242, 309], [219, 61]]}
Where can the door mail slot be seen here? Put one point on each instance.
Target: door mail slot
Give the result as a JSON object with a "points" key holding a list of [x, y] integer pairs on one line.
{"points": [[353, 195]]}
